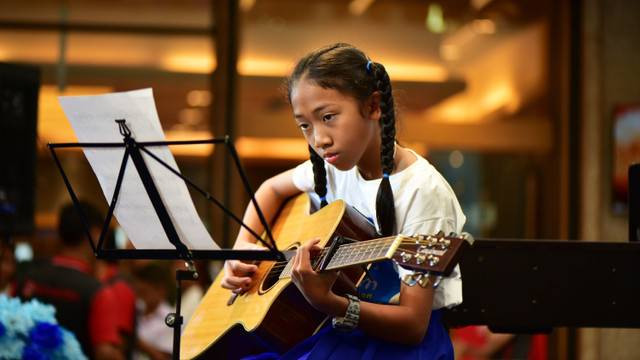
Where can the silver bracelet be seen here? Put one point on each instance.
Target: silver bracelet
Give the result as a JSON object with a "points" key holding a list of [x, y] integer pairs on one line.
{"points": [[350, 320]]}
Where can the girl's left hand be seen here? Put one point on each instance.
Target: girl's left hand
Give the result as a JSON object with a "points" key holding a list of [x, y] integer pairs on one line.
{"points": [[316, 287]]}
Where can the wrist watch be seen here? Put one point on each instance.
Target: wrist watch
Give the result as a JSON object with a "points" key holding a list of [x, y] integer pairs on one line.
{"points": [[350, 320]]}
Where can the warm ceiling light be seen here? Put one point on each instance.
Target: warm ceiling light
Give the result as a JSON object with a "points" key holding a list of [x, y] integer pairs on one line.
{"points": [[199, 98], [247, 5], [479, 4], [249, 66], [198, 64], [449, 52], [454, 43], [294, 149], [358, 7], [465, 109], [416, 72], [483, 26], [195, 150]]}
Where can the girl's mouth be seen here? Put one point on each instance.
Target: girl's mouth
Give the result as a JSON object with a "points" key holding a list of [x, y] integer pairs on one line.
{"points": [[331, 158]]}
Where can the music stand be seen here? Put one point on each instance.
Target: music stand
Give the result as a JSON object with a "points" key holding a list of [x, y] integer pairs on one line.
{"points": [[133, 150]]}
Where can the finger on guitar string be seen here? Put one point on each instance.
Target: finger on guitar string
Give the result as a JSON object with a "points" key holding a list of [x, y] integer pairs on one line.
{"points": [[236, 282], [305, 260], [304, 256], [295, 261], [240, 268]]}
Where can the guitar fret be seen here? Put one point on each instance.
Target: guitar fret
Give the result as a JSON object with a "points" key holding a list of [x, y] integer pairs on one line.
{"points": [[349, 254], [359, 252]]}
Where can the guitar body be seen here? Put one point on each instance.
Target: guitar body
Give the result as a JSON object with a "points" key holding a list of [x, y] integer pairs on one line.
{"points": [[273, 309]]}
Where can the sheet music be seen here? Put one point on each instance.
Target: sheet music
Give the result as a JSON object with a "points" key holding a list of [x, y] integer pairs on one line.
{"points": [[93, 120]]}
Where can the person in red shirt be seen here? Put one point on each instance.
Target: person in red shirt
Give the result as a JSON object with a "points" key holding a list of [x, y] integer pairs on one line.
{"points": [[111, 276], [478, 343], [67, 282]]}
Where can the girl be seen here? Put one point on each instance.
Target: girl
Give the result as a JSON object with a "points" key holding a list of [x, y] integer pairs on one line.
{"points": [[343, 104]]}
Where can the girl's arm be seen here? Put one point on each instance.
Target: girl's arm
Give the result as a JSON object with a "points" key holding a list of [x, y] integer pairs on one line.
{"points": [[405, 323], [271, 195]]}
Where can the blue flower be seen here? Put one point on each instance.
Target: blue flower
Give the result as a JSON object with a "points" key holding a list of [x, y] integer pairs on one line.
{"points": [[11, 348], [70, 349], [34, 352], [30, 331], [46, 335], [39, 311]]}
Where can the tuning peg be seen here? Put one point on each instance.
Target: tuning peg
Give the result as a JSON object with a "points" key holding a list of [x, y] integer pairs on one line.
{"points": [[433, 260], [410, 279], [437, 282], [417, 278], [468, 237], [424, 280]]}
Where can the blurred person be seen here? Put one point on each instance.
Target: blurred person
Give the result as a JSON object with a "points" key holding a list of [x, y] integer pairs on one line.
{"points": [[67, 282], [111, 276], [479, 343], [154, 338], [7, 267]]}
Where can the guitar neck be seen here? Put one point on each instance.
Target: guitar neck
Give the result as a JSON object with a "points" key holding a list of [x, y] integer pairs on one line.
{"points": [[362, 252], [359, 252]]}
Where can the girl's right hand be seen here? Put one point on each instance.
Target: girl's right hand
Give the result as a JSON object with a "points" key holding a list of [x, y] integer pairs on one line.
{"points": [[238, 275]]}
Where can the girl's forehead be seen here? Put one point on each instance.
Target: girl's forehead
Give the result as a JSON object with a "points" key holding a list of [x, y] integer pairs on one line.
{"points": [[306, 92]]}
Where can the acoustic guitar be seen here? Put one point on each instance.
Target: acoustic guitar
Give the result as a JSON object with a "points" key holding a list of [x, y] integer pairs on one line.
{"points": [[274, 310]]}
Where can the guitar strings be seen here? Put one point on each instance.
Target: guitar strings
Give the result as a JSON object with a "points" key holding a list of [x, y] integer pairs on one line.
{"points": [[366, 246], [273, 272], [282, 264], [277, 268]]}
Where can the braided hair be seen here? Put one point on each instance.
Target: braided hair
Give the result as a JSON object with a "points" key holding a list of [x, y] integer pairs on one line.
{"points": [[348, 70]]}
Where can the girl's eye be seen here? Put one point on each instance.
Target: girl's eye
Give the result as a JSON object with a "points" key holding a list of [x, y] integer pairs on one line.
{"points": [[328, 117], [303, 127]]}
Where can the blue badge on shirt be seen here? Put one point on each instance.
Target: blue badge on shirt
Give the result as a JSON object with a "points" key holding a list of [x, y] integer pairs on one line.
{"points": [[381, 284]]}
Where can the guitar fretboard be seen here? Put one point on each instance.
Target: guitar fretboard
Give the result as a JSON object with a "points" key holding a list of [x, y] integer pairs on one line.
{"points": [[360, 252]]}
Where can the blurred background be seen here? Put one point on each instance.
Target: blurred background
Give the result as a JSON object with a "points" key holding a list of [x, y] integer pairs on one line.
{"points": [[522, 105]]}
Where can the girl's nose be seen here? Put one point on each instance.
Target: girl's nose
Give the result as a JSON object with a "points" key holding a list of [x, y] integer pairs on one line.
{"points": [[321, 139]]}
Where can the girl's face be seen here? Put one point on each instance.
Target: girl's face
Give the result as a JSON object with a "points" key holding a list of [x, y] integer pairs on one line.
{"points": [[336, 126]]}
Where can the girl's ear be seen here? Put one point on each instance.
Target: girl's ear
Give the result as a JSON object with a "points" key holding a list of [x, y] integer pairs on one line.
{"points": [[372, 106]]}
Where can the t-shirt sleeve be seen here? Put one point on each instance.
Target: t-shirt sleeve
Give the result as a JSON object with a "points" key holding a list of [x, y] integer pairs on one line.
{"points": [[449, 292], [103, 327], [303, 176], [126, 304]]}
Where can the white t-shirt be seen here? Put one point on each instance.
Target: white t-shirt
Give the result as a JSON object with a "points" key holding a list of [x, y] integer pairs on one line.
{"points": [[424, 204]]}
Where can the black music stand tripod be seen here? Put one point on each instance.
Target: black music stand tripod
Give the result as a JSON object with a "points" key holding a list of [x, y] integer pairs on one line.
{"points": [[133, 150]]}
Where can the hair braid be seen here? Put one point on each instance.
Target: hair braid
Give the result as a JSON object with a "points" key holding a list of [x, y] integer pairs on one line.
{"points": [[319, 176], [385, 204]]}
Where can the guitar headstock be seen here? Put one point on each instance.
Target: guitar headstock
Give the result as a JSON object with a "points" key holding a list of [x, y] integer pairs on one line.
{"points": [[436, 254]]}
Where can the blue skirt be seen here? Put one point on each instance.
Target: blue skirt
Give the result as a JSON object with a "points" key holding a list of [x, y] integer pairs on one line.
{"points": [[330, 344]]}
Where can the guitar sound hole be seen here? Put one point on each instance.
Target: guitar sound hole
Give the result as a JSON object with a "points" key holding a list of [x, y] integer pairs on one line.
{"points": [[274, 275]]}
